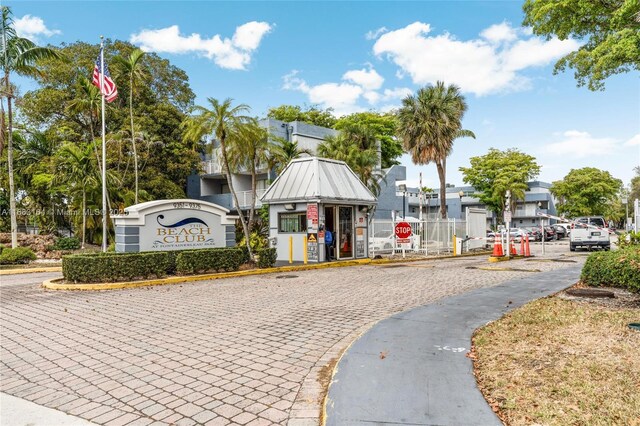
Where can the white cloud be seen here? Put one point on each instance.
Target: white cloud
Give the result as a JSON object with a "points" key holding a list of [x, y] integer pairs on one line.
{"points": [[342, 97], [374, 34], [32, 27], [367, 79], [499, 32], [234, 53], [397, 93], [486, 65], [635, 140], [582, 145]]}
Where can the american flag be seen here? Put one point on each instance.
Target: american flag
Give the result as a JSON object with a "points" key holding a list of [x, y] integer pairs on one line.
{"points": [[110, 91]]}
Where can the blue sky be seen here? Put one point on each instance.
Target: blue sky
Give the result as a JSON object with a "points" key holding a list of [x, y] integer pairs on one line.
{"points": [[356, 56]]}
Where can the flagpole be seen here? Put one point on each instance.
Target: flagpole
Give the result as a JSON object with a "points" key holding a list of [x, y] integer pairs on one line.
{"points": [[104, 153]]}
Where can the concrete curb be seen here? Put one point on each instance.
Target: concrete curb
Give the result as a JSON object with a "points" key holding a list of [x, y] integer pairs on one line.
{"points": [[58, 284], [30, 270]]}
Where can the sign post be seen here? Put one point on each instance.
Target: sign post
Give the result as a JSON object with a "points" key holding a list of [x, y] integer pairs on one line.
{"points": [[403, 235]]}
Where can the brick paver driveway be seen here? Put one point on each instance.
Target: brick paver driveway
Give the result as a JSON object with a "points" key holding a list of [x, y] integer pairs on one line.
{"points": [[235, 351]]}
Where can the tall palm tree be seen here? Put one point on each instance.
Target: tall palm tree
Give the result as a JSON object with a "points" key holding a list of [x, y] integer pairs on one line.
{"points": [[77, 173], [249, 153], [226, 123], [87, 102], [18, 55], [131, 68], [429, 122]]}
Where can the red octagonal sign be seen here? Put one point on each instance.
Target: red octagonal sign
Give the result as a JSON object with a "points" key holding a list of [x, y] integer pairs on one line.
{"points": [[403, 230]]}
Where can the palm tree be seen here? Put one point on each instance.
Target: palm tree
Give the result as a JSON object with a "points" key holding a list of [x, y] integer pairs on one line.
{"points": [[88, 102], [131, 67], [429, 122], [359, 152], [226, 123], [249, 153], [283, 151], [19, 55], [76, 172]]}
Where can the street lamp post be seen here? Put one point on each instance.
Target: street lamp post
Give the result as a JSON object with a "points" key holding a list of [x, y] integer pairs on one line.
{"points": [[403, 188]]}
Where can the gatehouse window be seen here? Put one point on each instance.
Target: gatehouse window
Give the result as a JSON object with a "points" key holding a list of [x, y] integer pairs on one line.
{"points": [[292, 222]]}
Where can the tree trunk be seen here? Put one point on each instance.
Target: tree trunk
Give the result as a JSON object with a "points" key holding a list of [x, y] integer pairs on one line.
{"points": [[253, 193], [84, 216], [133, 139], [12, 189], [2, 127], [227, 172], [443, 188]]}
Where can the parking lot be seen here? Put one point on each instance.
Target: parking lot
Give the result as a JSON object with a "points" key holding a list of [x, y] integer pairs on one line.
{"points": [[236, 351]]}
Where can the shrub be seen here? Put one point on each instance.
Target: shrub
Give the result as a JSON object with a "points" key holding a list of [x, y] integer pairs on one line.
{"points": [[620, 268], [245, 253], [12, 256], [631, 238], [206, 260], [267, 258], [105, 267], [66, 243]]}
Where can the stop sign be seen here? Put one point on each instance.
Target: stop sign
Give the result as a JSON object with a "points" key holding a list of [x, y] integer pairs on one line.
{"points": [[403, 230]]}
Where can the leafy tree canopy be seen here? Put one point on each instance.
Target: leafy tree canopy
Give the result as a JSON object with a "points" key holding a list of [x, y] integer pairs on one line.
{"points": [[312, 115], [586, 191], [60, 85], [610, 31], [496, 172], [383, 126]]}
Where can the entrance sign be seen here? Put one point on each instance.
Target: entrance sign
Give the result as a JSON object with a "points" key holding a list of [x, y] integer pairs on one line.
{"points": [[168, 225]]}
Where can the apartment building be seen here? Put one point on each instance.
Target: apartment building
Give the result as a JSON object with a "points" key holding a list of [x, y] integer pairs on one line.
{"points": [[211, 185]]}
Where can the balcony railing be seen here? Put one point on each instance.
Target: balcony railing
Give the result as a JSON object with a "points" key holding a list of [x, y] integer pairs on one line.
{"points": [[214, 167], [211, 167], [244, 198]]}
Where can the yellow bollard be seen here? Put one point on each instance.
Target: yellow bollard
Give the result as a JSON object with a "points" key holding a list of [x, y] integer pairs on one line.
{"points": [[455, 245], [290, 249], [304, 249]]}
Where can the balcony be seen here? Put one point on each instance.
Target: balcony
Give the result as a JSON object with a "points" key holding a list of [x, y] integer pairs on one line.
{"points": [[244, 198], [211, 167], [226, 200]]}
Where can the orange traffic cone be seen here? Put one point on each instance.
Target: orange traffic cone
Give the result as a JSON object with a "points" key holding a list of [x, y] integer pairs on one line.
{"points": [[522, 245], [512, 249], [527, 252], [497, 247]]}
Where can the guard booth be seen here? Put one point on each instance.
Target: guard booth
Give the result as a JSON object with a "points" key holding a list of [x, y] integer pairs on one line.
{"points": [[312, 196]]}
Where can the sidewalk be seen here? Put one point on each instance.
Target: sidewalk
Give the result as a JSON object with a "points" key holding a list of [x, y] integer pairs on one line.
{"points": [[20, 412], [412, 367]]}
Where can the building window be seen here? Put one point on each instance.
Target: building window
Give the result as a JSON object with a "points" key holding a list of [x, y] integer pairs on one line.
{"points": [[292, 222]]}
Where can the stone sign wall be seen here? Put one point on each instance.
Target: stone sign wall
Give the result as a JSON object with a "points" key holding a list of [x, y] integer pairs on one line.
{"points": [[174, 225]]}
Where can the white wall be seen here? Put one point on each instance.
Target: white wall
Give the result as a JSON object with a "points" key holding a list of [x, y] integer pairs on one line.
{"points": [[282, 240]]}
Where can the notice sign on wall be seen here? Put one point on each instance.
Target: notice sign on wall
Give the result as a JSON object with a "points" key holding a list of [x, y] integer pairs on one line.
{"points": [[312, 216], [312, 246]]}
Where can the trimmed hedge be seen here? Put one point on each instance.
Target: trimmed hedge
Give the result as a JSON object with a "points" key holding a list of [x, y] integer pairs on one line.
{"points": [[12, 256], [106, 267], [620, 268], [267, 258], [207, 260]]}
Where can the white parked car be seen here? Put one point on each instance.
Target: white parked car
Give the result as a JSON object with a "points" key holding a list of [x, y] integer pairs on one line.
{"points": [[384, 241]]}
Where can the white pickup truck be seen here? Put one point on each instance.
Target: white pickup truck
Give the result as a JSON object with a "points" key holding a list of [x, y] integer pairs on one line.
{"points": [[590, 231]]}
